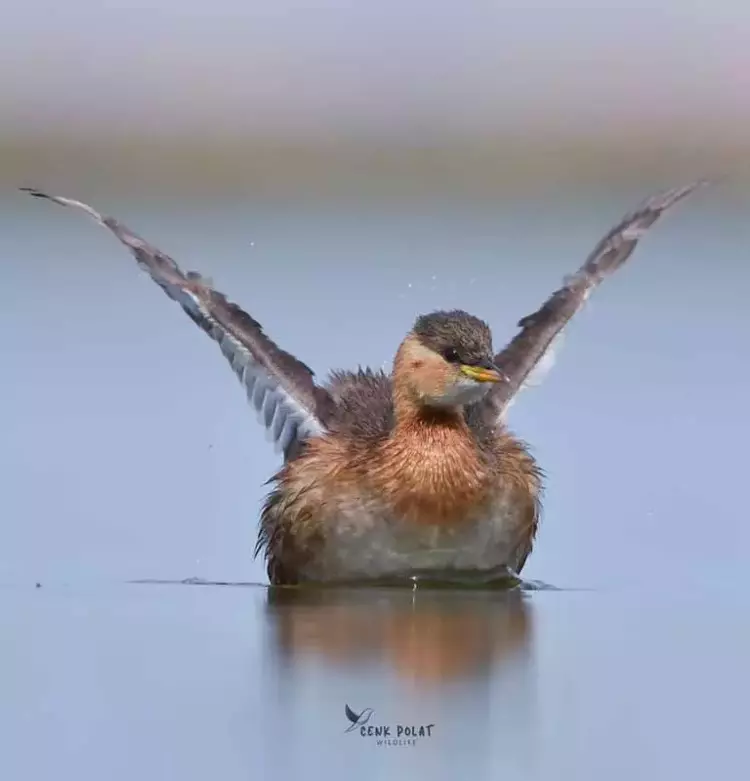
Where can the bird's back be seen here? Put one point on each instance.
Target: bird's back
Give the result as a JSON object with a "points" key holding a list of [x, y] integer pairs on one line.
{"points": [[363, 404]]}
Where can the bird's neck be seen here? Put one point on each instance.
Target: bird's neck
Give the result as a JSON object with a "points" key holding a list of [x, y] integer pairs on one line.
{"points": [[415, 418], [430, 466], [410, 411], [424, 433]]}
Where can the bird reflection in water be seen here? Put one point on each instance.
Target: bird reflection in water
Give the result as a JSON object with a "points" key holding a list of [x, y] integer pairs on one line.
{"points": [[424, 636]]}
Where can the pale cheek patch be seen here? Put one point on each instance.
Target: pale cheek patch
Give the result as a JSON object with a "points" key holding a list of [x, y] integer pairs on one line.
{"points": [[464, 391], [429, 374]]}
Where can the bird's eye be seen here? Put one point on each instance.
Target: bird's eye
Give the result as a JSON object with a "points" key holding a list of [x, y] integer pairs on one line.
{"points": [[451, 354]]}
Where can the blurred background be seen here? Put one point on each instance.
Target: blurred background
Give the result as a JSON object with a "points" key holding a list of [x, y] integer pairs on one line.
{"points": [[339, 167], [394, 98]]}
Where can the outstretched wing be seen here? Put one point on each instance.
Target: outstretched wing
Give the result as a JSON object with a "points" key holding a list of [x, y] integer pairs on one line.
{"points": [[280, 387], [539, 330], [351, 715]]}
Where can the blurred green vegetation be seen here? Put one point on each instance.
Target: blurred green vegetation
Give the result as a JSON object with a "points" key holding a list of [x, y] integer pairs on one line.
{"points": [[484, 167]]}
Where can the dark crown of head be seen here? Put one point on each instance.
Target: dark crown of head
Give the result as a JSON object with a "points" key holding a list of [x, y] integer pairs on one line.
{"points": [[456, 335]]}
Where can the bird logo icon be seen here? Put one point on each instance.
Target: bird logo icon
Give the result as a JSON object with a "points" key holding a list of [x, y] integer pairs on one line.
{"points": [[357, 719]]}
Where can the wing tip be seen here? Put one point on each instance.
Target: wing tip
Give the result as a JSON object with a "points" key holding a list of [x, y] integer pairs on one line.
{"points": [[667, 198], [35, 192]]}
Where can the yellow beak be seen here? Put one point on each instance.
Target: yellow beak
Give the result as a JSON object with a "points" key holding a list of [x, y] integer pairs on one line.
{"points": [[480, 374]]}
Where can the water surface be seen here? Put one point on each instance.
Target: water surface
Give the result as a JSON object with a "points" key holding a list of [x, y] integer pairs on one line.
{"points": [[182, 682]]}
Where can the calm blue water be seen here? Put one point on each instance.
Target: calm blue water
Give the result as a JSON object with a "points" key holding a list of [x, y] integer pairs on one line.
{"points": [[128, 452]]}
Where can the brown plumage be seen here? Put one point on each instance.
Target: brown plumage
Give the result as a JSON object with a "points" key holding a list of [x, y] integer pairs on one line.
{"points": [[395, 476]]}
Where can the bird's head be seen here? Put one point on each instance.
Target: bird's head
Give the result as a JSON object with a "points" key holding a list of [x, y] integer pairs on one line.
{"points": [[446, 360]]}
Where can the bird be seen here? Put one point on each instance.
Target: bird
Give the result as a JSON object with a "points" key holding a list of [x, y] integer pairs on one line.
{"points": [[397, 475], [357, 719]]}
